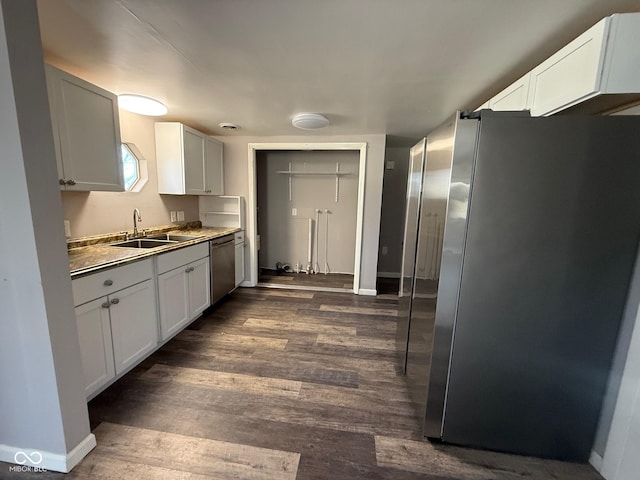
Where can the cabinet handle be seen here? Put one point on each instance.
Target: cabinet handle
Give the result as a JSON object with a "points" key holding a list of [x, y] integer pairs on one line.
{"points": [[108, 283], [62, 181], [105, 305], [115, 301], [71, 182], [189, 269]]}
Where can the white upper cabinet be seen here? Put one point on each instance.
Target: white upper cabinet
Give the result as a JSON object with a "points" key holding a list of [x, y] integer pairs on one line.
{"points": [[603, 60], [214, 166], [189, 163], [514, 97], [571, 74], [86, 131]]}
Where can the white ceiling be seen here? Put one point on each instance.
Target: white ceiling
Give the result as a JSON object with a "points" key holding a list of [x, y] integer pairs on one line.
{"points": [[398, 67]]}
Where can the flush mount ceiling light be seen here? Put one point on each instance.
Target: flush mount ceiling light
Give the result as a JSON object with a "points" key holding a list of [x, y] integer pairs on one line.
{"points": [[141, 105], [228, 126], [309, 121]]}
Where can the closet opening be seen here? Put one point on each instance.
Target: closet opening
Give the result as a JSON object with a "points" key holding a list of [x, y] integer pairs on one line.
{"points": [[305, 215]]}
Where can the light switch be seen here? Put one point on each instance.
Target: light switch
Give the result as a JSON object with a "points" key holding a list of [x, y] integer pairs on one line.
{"points": [[174, 217], [294, 212], [180, 216], [67, 228]]}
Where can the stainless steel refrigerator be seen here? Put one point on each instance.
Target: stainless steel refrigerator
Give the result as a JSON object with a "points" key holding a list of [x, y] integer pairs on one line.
{"points": [[528, 232]]}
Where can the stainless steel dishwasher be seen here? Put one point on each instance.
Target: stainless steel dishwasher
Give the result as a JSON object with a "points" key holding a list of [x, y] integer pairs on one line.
{"points": [[223, 267]]}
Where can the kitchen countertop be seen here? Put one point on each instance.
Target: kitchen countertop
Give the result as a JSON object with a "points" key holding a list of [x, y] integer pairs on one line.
{"points": [[91, 254]]}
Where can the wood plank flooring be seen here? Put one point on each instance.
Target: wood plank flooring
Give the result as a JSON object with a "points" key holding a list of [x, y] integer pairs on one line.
{"points": [[277, 384], [303, 280]]}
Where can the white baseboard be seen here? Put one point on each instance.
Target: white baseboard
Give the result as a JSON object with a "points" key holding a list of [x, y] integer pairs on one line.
{"points": [[595, 460], [388, 275], [34, 460], [368, 291]]}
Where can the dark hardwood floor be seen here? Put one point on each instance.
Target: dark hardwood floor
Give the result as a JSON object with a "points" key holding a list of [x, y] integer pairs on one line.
{"points": [[294, 280], [280, 384]]}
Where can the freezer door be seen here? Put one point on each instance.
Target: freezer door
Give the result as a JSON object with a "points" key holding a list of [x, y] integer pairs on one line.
{"points": [[445, 190], [409, 243]]}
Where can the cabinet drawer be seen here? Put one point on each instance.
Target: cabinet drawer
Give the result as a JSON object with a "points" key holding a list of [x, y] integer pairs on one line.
{"points": [[238, 237], [177, 258], [106, 282]]}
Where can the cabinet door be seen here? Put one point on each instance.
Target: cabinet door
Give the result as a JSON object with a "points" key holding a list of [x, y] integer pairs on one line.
{"points": [[94, 333], [134, 324], [214, 167], [199, 287], [193, 144], [513, 98], [88, 133], [173, 298], [239, 263], [571, 74]]}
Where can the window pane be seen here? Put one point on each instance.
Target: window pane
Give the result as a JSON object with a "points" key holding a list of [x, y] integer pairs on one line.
{"points": [[129, 168]]}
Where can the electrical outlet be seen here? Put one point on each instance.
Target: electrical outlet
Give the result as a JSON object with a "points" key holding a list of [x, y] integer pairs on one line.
{"points": [[390, 165], [180, 216], [385, 250], [294, 212], [67, 228], [174, 217]]}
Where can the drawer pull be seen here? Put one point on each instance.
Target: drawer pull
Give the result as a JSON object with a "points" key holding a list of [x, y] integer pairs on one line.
{"points": [[115, 301], [105, 305], [108, 283]]}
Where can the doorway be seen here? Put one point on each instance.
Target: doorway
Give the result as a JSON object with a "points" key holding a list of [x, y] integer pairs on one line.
{"points": [[305, 215]]}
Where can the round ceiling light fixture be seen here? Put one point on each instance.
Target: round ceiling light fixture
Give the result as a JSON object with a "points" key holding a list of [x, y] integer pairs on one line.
{"points": [[142, 105], [228, 126], [309, 121]]}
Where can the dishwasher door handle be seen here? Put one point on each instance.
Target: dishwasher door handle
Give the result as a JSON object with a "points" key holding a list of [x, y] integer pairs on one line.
{"points": [[215, 246]]}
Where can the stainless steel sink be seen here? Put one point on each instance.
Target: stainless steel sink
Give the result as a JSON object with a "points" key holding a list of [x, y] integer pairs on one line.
{"points": [[172, 237], [144, 243]]}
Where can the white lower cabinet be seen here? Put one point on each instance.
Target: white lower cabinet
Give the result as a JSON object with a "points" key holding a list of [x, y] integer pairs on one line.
{"points": [[117, 311], [134, 324], [183, 290], [96, 351], [118, 328], [239, 249]]}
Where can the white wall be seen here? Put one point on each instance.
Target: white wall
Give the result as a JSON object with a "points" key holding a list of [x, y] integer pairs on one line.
{"points": [[236, 183], [285, 238], [393, 205], [42, 400], [92, 213]]}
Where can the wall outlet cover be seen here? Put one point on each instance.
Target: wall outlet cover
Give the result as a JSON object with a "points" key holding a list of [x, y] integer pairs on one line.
{"points": [[294, 212], [67, 228], [385, 250], [174, 216], [180, 216]]}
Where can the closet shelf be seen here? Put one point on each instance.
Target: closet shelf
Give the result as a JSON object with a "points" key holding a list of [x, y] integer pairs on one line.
{"points": [[336, 174]]}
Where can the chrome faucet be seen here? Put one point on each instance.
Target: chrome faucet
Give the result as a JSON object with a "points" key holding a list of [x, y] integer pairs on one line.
{"points": [[136, 218]]}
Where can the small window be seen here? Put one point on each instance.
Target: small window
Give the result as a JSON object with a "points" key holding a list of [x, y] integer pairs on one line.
{"points": [[130, 168], [134, 168]]}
